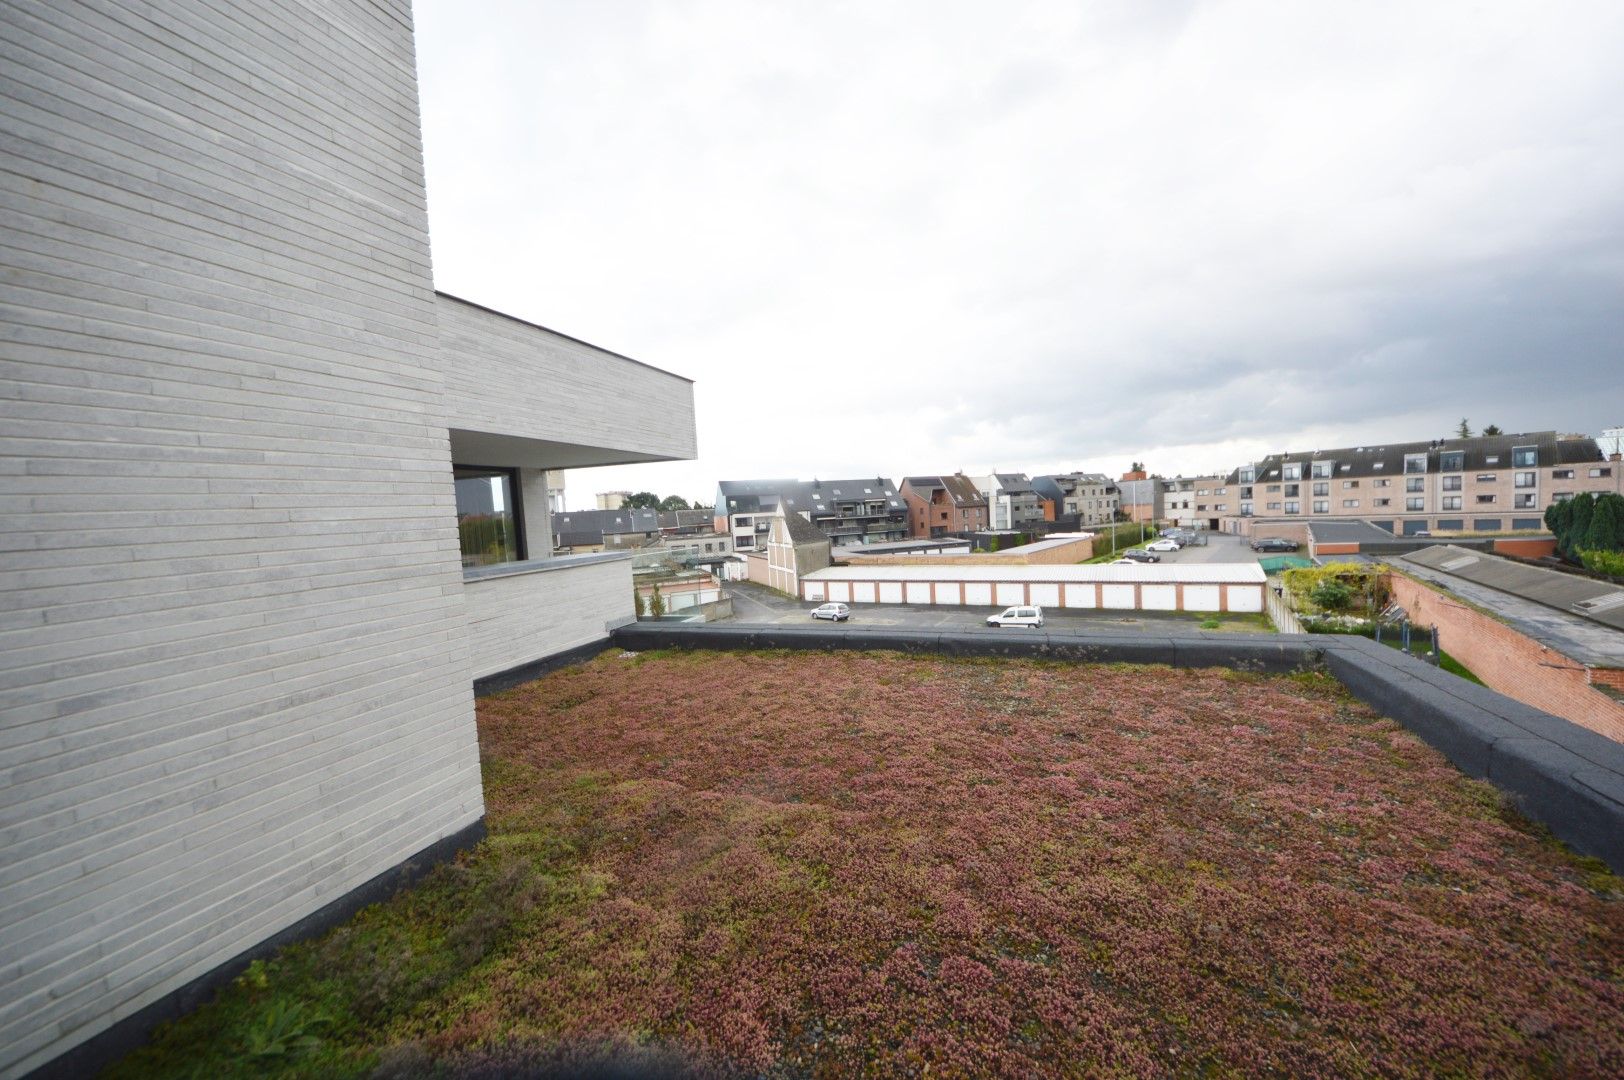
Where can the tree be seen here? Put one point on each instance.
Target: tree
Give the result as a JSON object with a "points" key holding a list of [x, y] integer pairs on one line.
{"points": [[1464, 429], [1583, 507], [1606, 530], [642, 500], [1490, 429], [674, 502], [656, 603], [637, 601]]}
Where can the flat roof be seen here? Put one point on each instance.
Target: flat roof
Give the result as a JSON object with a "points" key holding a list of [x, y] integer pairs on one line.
{"points": [[1571, 594], [1239, 573]]}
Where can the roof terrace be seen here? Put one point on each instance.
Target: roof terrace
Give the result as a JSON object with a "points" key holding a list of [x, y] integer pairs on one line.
{"points": [[872, 863]]}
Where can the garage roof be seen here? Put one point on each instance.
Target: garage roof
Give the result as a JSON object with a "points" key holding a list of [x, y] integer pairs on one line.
{"points": [[1249, 573]]}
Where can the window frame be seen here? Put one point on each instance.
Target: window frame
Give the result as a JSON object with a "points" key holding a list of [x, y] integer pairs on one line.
{"points": [[513, 496]]}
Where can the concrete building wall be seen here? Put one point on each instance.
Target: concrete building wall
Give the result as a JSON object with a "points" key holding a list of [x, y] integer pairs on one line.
{"points": [[521, 616], [506, 380], [233, 674]]}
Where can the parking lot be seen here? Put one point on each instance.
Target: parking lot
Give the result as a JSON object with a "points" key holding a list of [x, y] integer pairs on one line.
{"points": [[1219, 548], [756, 605]]}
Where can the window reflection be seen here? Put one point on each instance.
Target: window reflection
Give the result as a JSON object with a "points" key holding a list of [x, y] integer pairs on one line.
{"points": [[487, 518]]}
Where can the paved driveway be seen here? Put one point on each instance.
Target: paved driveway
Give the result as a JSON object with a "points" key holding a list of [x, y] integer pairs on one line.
{"points": [[1219, 548]]}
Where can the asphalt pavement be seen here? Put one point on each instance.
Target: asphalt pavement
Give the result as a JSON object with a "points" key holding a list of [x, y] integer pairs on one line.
{"points": [[757, 605]]}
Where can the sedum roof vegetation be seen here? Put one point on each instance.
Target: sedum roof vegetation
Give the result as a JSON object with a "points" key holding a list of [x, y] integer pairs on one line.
{"points": [[849, 863]]}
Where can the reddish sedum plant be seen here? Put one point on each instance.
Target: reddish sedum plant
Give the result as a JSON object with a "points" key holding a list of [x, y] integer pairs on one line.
{"points": [[839, 863]]}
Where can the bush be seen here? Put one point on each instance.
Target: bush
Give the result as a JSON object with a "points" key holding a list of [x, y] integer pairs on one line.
{"points": [[656, 603], [1610, 563], [1331, 595], [1365, 584]]}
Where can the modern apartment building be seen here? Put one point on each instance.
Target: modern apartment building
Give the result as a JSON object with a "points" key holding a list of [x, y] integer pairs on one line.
{"points": [[1012, 503], [1082, 499], [1197, 502], [943, 506], [273, 504], [851, 513], [1484, 484]]}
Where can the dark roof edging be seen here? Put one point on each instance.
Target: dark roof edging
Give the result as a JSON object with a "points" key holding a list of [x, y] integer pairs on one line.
{"points": [[1556, 772]]}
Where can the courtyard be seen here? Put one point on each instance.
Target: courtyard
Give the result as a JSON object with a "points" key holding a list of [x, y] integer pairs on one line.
{"points": [[840, 864]]}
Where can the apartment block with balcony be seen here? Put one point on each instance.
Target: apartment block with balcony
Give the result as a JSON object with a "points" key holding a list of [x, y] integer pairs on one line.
{"points": [[1082, 499], [1500, 483], [851, 513], [855, 513], [943, 506]]}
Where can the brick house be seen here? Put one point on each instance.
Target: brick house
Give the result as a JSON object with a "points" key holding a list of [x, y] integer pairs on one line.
{"points": [[943, 506]]}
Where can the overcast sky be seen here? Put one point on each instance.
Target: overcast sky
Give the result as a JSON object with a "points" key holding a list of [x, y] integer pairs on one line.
{"points": [[901, 238]]}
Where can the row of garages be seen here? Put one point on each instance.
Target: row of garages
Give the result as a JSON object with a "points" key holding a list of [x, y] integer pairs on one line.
{"points": [[1197, 587]]}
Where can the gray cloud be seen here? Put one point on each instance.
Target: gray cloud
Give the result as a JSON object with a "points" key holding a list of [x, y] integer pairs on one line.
{"points": [[914, 237]]}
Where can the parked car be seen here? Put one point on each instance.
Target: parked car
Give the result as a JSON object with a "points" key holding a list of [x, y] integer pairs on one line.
{"points": [[1018, 616], [832, 612], [1273, 543], [1139, 555], [1162, 545], [1124, 561]]}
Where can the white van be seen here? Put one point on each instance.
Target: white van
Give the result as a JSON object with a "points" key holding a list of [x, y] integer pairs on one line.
{"points": [[1018, 616]]}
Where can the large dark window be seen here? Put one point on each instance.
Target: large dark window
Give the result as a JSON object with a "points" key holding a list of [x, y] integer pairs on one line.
{"points": [[488, 515]]}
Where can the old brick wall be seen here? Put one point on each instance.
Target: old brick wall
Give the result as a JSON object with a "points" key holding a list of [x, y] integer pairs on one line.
{"points": [[1510, 662]]}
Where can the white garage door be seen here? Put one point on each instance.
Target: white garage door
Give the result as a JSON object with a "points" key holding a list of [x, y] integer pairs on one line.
{"points": [[1046, 594], [918, 592], [840, 590], [1079, 596], [978, 593], [1116, 596], [1011, 592], [890, 592], [1201, 598], [947, 592], [814, 590], [1159, 597], [1246, 598], [862, 592]]}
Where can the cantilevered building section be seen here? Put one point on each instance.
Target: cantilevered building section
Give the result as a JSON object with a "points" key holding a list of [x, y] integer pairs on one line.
{"points": [[273, 504], [1500, 483]]}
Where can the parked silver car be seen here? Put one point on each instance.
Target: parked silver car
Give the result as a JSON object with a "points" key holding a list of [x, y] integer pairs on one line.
{"points": [[832, 612]]}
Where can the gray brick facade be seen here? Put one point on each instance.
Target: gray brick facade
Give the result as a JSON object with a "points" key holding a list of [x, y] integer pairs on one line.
{"points": [[235, 674]]}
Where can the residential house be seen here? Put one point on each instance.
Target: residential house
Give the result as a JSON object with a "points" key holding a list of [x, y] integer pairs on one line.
{"points": [[1197, 502], [1483, 484], [1012, 503], [941, 506], [745, 508], [1082, 499], [1141, 496], [795, 547], [275, 506]]}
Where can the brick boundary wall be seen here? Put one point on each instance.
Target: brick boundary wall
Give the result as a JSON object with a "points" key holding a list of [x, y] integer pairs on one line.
{"points": [[1565, 776], [1532, 548], [1511, 662]]}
